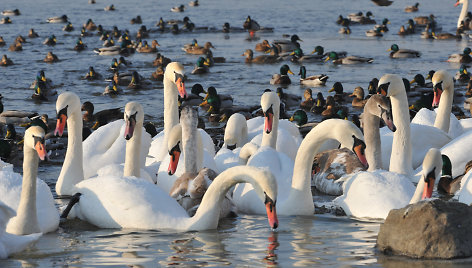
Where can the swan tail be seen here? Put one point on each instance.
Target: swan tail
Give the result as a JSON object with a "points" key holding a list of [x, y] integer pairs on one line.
{"points": [[75, 199]]}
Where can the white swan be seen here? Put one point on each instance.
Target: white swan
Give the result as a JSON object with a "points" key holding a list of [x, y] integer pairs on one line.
{"points": [[85, 159], [10, 243], [465, 7], [407, 136], [194, 156], [236, 135], [29, 196], [295, 197], [374, 194]]}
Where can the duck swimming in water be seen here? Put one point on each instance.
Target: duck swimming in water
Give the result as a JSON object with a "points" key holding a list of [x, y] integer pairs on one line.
{"points": [[282, 77]]}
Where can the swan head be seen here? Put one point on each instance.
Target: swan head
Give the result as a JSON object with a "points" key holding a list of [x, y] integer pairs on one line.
{"points": [[67, 103], [379, 106], [174, 148], [442, 81], [390, 85], [133, 114], [432, 166], [233, 131], [459, 2], [348, 135], [270, 104], [176, 74], [34, 139]]}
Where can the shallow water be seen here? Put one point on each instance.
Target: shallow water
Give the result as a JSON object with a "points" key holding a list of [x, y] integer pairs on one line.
{"points": [[246, 240]]}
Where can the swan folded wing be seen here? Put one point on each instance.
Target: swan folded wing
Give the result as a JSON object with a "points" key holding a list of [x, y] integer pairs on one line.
{"points": [[10, 243]]}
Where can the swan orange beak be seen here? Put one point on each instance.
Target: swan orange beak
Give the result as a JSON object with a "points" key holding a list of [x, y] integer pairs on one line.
{"points": [[181, 87], [429, 185], [271, 213], [129, 129], [437, 95], [359, 150], [174, 159], [60, 125], [457, 3], [41, 149], [268, 122]]}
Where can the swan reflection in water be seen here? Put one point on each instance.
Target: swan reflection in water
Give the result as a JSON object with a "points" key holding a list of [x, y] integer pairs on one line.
{"points": [[271, 258]]}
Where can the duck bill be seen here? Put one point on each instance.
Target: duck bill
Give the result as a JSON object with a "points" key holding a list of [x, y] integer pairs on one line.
{"points": [[437, 97], [268, 122], [290, 72], [60, 125], [174, 161], [129, 129], [181, 87], [361, 155], [41, 149], [272, 215], [428, 187]]}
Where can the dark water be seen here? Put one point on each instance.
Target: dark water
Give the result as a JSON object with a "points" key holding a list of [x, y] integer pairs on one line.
{"points": [[244, 241]]}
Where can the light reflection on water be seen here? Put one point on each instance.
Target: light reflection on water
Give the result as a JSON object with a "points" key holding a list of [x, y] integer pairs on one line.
{"points": [[319, 240]]}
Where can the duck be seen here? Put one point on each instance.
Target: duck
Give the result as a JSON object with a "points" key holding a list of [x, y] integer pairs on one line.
{"points": [[335, 57], [289, 100], [214, 102], [345, 30], [148, 49], [109, 42], [339, 94], [197, 50], [319, 50], [61, 19], [110, 8], [382, 3], [194, 3], [360, 18], [373, 194], [403, 53], [79, 45], [17, 46], [320, 103], [251, 25], [383, 27], [137, 81], [158, 74], [180, 8], [100, 118], [287, 45], [5, 20], [282, 77], [309, 101], [90, 25], [2, 42], [358, 95], [11, 243], [32, 33], [448, 185], [299, 56], [6, 61], [200, 67], [51, 57], [136, 20], [14, 12], [295, 197], [447, 36], [420, 82], [27, 195], [462, 76], [113, 50], [50, 41], [111, 89], [68, 27], [263, 46], [92, 75], [262, 59], [413, 8], [461, 58], [374, 32]]}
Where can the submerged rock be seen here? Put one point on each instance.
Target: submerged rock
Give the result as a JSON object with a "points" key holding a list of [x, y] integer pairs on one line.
{"points": [[429, 229]]}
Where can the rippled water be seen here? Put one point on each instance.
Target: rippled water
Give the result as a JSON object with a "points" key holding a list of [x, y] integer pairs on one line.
{"points": [[246, 240]]}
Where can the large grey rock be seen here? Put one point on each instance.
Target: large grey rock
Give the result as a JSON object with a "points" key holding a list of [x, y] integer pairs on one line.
{"points": [[429, 229]]}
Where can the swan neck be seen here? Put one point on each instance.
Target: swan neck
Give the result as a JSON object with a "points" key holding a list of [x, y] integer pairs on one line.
{"points": [[72, 170], [443, 117], [190, 145], [401, 158], [133, 152], [27, 219], [465, 8], [373, 151], [171, 110], [418, 192]]}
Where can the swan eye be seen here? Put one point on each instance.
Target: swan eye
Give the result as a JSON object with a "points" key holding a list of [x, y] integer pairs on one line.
{"points": [[62, 111]]}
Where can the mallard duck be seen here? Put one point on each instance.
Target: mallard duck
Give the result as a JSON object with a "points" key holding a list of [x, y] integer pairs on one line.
{"points": [[137, 81], [348, 59], [161, 24], [420, 82], [343, 21], [360, 18], [111, 89], [158, 74], [213, 102], [109, 8], [210, 60], [262, 59], [61, 19], [299, 56], [374, 33], [320, 103], [382, 3], [287, 45], [17, 46], [289, 100], [358, 95], [180, 8], [197, 50], [396, 52], [68, 27], [194, 98], [90, 25], [148, 49], [79, 45], [32, 33], [200, 67], [98, 119], [160, 60], [114, 66], [43, 90], [345, 30], [299, 117], [51, 57], [6, 61], [5, 20], [121, 79], [194, 3], [20, 39], [413, 8], [372, 87], [447, 36], [113, 50], [251, 25], [424, 20], [447, 184], [339, 94], [427, 33], [136, 20], [383, 27], [14, 12], [312, 81], [402, 31], [282, 77], [109, 42], [92, 75], [2, 42], [309, 101], [262, 47], [462, 76], [50, 41], [329, 109]]}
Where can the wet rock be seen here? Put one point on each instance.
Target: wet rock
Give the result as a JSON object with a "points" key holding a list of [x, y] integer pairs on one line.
{"points": [[429, 229]]}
